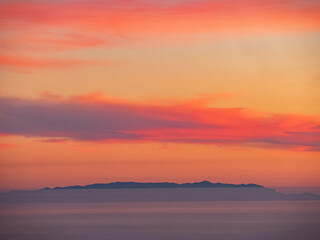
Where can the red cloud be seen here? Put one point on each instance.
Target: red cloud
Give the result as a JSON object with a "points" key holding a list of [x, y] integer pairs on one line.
{"points": [[97, 118], [149, 17], [7, 145]]}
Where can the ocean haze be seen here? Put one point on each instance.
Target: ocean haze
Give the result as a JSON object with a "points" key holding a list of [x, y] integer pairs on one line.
{"points": [[314, 190]]}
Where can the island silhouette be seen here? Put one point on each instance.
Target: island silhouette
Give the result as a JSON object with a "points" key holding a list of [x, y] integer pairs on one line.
{"points": [[129, 185], [153, 192]]}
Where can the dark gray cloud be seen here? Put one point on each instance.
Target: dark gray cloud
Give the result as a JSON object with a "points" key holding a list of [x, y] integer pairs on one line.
{"points": [[83, 121]]}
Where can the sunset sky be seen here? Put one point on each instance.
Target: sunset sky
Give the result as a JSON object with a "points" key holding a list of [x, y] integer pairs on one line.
{"points": [[159, 90]]}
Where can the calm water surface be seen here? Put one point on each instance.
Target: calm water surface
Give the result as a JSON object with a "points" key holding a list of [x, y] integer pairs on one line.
{"points": [[259, 220]]}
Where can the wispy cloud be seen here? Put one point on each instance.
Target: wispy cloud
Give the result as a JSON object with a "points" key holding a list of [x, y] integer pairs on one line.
{"points": [[97, 118], [29, 26], [26, 63], [50, 41], [54, 140]]}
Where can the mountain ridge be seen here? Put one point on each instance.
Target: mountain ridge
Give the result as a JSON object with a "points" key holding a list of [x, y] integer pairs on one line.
{"points": [[153, 191], [136, 185]]}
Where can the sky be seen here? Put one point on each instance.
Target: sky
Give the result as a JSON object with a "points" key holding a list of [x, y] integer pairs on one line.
{"points": [[159, 90]]}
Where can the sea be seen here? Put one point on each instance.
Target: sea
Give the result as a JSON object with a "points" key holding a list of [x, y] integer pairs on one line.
{"points": [[160, 220], [153, 214]]}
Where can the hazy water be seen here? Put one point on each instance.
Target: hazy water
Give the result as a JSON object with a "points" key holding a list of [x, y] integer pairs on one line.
{"points": [[258, 220]]}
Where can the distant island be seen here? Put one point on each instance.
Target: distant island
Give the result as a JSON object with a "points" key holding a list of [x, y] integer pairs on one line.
{"points": [[135, 185], [153, 192]]}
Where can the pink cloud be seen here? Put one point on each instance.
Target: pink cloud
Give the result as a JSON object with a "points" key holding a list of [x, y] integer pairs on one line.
{"points": [[47, 41]]}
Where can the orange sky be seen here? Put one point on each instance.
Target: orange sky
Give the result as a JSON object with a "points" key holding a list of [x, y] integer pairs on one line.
{"points": [[180, 90]]}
